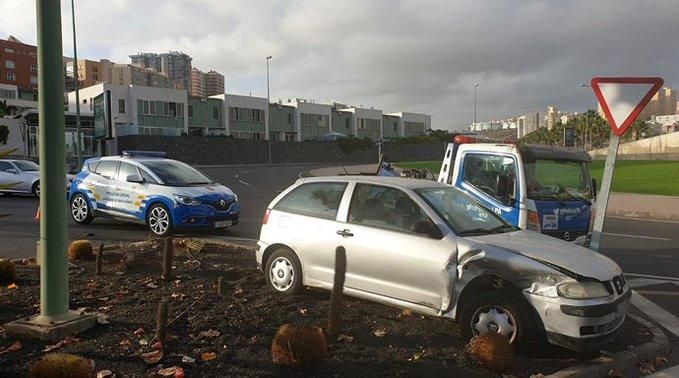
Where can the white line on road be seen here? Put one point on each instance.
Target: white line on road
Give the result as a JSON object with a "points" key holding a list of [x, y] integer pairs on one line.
{"points": [[243, 182], [666, 278], [636, 236], [657, 313]]}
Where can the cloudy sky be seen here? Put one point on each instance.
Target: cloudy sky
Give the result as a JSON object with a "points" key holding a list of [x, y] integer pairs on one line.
{"points": [[419, 55]]}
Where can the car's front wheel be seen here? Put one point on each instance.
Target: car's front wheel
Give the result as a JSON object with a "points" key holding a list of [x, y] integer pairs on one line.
{"points": [[80, 209], [284, 271], [159, 220], [36, 189], [496, 311]]}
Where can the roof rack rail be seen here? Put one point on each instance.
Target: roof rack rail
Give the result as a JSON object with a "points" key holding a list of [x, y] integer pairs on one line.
{"points": [[136, 153]]}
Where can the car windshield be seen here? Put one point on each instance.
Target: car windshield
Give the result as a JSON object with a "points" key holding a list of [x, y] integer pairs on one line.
{"points": [[175, 173], [27, 166], [557, 180], [463, 213]]}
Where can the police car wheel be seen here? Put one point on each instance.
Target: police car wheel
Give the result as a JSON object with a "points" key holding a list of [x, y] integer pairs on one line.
{"points": [[80, 209], [159, 220]]}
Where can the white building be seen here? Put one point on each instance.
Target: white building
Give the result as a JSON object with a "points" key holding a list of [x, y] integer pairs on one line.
{"points": [[413, 124], [668, 123], [312, 120], [16, 100], [365, 122], [120, 110]]}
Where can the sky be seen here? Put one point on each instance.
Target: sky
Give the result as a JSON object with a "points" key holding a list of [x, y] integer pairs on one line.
{"points": [[419, 56]]}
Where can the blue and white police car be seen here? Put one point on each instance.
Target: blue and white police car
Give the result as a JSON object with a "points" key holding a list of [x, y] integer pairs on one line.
{"points": [[146, 187]]}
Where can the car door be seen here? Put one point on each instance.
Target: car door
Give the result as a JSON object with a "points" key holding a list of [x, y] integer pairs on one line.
{"points": [[305, 220], [127, 193], [101, 185], [385, 253], [10, 179]]}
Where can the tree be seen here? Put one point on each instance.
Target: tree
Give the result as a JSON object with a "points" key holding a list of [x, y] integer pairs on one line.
{"points": [[4, 134]]}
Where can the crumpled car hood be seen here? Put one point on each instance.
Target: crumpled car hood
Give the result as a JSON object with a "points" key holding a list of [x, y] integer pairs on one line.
{"points": [[569, 256]]}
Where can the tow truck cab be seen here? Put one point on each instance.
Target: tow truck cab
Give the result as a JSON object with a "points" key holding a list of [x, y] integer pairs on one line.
{"points": [[541, 188]]}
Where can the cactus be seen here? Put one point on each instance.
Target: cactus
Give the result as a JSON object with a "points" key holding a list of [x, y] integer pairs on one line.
{"points": [[80, 250], [57, 365], [299, 347], [492, 351], [7, 272]]}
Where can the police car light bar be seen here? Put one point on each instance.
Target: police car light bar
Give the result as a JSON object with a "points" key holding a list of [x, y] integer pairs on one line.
{"points": [[135, 153]]}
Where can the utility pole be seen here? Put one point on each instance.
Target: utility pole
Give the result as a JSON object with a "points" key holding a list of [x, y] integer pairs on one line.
{"points": [[268, 112], [475, 86], [78, 129]]}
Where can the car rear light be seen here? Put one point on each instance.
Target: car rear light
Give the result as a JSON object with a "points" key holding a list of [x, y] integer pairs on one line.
{"points": [[266, 216], [533, 221]]}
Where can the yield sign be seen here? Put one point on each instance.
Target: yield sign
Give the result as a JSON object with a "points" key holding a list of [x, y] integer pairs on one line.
{"points": [[623, 98]]}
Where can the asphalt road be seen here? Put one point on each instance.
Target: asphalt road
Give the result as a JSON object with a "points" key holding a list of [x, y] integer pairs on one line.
{"points": [[639, 246]]}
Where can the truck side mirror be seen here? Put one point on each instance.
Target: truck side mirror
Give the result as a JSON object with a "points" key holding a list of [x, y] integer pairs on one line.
{"points": [[505, 189], [594, 186]]}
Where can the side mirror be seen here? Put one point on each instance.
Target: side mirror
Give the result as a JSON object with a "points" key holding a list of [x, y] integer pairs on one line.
{"points": [[426, 227], [505, 190], [134, 178], [594, 188]]}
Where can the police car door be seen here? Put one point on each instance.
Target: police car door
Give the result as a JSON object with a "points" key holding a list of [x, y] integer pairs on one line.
{"points": [[101, 186], [127, 192]]}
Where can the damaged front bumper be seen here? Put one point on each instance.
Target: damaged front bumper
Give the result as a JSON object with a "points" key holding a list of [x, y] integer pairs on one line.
{"points": [[580, 325]]}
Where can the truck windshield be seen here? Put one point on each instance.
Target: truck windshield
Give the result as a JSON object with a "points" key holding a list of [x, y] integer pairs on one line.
{"points": [[560, 180], [463, 213]]}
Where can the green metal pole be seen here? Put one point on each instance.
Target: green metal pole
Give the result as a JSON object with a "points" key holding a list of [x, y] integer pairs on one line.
{"points": [[53, 264], [78, 142]]}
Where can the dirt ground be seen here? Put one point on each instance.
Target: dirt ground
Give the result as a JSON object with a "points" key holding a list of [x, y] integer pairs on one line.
{"points": [[387, 341]]}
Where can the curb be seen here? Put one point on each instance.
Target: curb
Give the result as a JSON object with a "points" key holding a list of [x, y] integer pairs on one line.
{"points": [[601, 366], [643, 215]]}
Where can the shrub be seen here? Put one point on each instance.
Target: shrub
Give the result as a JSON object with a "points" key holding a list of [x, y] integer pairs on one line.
{"points": [[80, 250], [302, 348], [352, 143], [7, 272], [492, 351], [57, 365]]}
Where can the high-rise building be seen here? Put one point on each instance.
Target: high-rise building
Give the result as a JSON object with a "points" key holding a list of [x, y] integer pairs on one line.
{"points": [[174, 64], [18, 64], [551, 117], [204, 84], [198, 83]]}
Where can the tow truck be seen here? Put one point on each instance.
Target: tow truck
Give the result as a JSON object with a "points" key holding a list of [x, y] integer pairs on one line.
{"points": [[541, 188]]}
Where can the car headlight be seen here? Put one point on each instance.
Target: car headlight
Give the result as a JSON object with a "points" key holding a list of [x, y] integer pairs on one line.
{"points": [[582, 290], [186, 200]]}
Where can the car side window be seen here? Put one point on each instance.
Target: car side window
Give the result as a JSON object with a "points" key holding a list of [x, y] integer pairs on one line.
{"points": [[147, 176], [386, 207], [5, 166], [488, 172], [107, 169], [125, 170], [320, 199]]}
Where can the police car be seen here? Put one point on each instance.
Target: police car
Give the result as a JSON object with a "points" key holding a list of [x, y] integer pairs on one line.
{"points": [[146, 187]]}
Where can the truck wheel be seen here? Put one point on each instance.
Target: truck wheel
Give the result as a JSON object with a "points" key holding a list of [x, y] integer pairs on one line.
{"points": [[496, 311], [283, 271], [159, 220]]}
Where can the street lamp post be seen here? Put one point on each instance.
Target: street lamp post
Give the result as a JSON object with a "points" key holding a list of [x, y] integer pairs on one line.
{"points": [[268, 110], [78, 129], [475, 86]]}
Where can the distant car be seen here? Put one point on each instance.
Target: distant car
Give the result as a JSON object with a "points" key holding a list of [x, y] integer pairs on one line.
{"points": [[432, 248], [145, 187], [21, 177]]}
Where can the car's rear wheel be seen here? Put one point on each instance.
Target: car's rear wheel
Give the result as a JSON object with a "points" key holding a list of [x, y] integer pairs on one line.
{"points": [[36, 189], [496, 311], [159, 220], [80, 209], [284, 271]]}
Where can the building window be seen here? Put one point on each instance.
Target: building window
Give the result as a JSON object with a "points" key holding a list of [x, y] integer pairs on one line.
{"points": [[9, 64], [8, 50], [121, 106], [145, 109], [190, 109], [172, 106], [34, 80], [34, 68], [152, 107], [84, 101], [10, 76], [215, 112], [4, 93], [395, 126], [289, 118], [346, 123]]}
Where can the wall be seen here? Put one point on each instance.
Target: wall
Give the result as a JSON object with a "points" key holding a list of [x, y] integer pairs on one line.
{"points": [[662, 147], [224, 151]]}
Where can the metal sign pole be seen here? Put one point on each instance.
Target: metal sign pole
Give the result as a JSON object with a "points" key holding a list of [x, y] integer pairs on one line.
{"points": [[602, 196]]}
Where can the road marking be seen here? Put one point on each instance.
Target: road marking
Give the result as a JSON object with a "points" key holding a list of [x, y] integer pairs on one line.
{"points": [[665, 278], [641, 282], [243, 182], [657, 313], [636, 236], [667, 373], [642, 219]]}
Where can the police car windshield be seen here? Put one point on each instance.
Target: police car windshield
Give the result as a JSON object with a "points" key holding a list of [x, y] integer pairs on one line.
{"points": [[557, 180], [176, 173]]}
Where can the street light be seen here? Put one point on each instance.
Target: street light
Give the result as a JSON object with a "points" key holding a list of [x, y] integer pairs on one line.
{"points": [[268, 101], [77, 92], [583, 85], [475, 86]]}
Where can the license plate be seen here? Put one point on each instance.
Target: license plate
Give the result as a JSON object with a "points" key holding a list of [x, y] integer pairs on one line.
{"points": [[221, 224]]}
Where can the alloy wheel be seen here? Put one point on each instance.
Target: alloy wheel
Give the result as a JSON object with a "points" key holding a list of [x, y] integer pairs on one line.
{"points": [[159, 220], [79, 209]]}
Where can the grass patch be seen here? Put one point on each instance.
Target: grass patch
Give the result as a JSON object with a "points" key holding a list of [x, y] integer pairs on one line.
{"points": [[631, 176]]}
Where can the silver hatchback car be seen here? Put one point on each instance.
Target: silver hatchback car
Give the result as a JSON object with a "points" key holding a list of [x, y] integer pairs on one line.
{"points": [[431, 248]]}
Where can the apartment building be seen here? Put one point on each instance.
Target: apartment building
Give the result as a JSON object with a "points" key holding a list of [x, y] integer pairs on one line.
{"points": [[205, 116], [174, 64], [413, 124], [663, 103], [245, 116], [282, 124], [18, 100], [392, 127], [342, 121], [18, 64], [90, 72]]}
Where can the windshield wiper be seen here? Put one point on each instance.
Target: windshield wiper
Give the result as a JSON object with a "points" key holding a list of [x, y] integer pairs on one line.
{"points": [[503, 227], [481, 231]]}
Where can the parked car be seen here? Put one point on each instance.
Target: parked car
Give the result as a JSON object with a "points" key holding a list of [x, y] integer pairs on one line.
{"points": [[19, 176], [147, 188], [430, 247]]}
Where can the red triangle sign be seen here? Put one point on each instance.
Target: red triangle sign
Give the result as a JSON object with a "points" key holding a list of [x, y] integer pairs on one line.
{"points": [[623, 98]]}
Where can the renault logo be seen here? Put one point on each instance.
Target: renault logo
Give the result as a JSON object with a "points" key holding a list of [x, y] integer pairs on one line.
{"points": [[567, 236], [222, 203]]}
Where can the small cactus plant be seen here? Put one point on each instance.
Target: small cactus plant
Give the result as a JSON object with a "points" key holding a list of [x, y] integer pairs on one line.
{"points": [[80, 250], [299, 347], [492, 351], [58, 365], [7, 273]]}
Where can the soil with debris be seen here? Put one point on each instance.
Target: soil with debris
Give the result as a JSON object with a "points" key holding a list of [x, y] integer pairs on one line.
{"points": [[231, 335]]}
